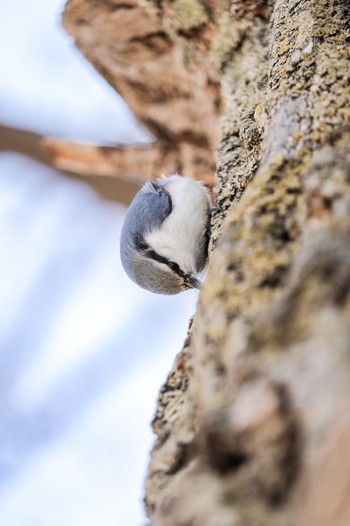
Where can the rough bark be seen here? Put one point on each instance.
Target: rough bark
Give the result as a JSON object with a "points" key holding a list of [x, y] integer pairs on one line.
{"points": [[31, 144], [252, 424], [160, 64]]}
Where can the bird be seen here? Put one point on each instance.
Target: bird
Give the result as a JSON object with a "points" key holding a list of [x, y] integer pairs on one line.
{"points": [[165, 235]]}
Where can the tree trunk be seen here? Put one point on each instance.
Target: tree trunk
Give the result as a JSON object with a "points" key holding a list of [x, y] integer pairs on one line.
{"points": [[253, 423]]}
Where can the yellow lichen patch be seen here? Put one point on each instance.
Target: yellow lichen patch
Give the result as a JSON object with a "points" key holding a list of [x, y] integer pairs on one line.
{"points": [[187, 14], [282, 46], [226, 39], [286, 92], [260, 116]]}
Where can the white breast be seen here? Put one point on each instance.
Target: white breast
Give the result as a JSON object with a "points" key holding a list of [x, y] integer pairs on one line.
{"points": [[182, 234]]}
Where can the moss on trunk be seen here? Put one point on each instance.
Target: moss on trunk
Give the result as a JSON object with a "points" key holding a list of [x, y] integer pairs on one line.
{"points": [[252, 419]]}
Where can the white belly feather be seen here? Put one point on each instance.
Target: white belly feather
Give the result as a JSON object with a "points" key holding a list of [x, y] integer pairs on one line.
{"points": [[182, 235]]}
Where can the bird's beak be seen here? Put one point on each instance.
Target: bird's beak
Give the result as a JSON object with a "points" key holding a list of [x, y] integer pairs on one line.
{"points": [[192, 282]]}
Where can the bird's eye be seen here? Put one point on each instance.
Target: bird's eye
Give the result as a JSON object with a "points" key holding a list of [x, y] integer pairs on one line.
{"points": [[166, 201], [140, 242]]}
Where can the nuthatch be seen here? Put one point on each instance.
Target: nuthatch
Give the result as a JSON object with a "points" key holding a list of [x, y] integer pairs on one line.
{"points": [[164, 240]]}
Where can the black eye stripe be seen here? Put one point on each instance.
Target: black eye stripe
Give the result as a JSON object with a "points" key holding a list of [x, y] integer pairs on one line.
{"points": [[171, 264], [140, 242], [189, 280]]}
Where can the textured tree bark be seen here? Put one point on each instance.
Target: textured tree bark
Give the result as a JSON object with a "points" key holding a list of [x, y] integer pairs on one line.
{"points": [[252, 424]]}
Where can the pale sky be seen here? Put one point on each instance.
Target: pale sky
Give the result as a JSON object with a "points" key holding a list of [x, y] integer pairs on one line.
{"points": [[46, 84], [83, 351]]}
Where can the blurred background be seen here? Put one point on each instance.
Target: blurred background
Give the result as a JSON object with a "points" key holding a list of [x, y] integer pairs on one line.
{"points": [[83, 351]]}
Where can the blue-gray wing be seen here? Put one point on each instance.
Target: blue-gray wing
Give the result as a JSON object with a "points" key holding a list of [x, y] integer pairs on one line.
{"points": [[149, 208]]}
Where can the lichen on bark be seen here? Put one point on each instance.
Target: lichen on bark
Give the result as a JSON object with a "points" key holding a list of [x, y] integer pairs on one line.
{"points": [[250, 419], [285, 98]]}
